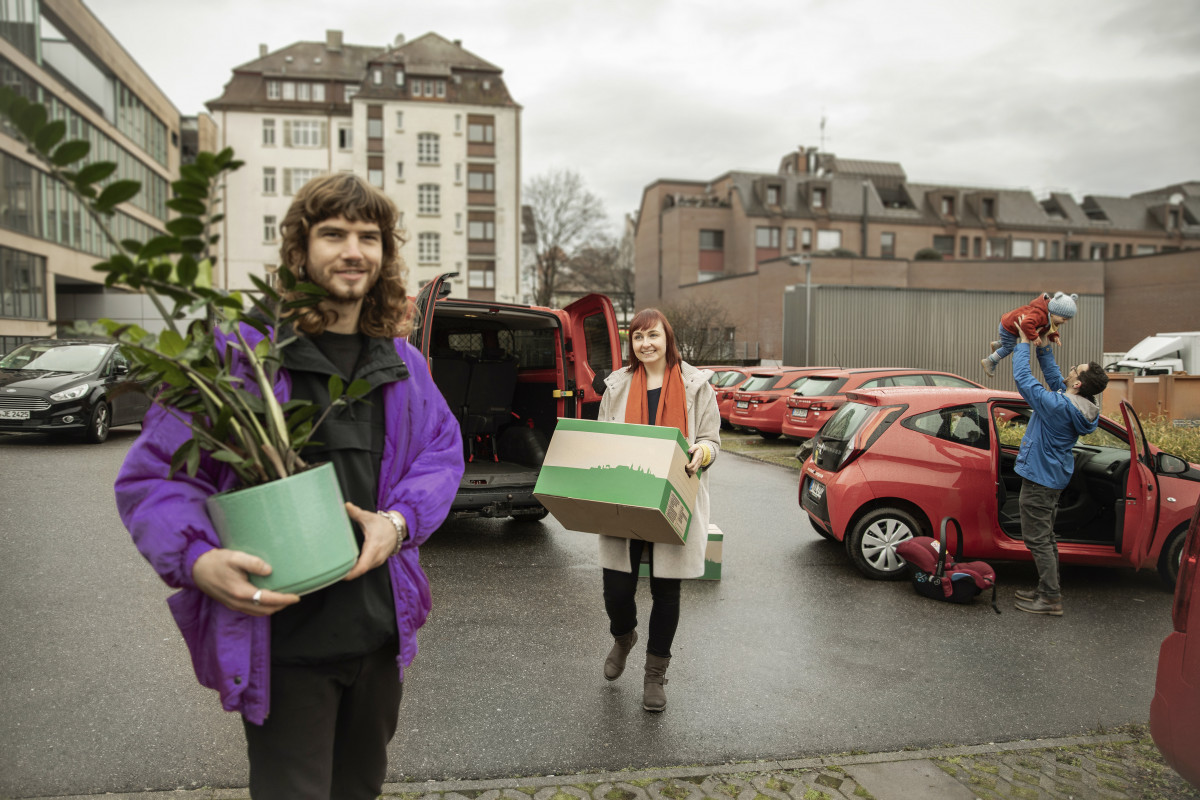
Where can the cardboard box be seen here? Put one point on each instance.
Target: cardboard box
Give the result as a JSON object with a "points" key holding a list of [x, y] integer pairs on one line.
{"points": [[712, 556], [618, 479]]}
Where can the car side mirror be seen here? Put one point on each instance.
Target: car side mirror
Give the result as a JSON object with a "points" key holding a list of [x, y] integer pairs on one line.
{"points": [[1171, 465], [120, 369]]}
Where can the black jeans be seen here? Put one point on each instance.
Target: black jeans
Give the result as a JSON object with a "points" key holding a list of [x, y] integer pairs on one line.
{"points": [[328, 730], [619, 590]]}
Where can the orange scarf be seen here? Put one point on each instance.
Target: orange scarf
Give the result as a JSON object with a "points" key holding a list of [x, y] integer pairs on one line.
{"points": [[672, 400]]}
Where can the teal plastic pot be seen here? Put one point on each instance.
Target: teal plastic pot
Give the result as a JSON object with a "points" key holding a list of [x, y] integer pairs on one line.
{"points": [[298, 525]]}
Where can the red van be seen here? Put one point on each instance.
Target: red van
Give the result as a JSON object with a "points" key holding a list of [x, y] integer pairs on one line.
{"points": [[509, 372]]}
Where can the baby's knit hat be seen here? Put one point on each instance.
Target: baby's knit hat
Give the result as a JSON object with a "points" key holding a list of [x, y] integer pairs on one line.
{"points": [[1063, 304]]}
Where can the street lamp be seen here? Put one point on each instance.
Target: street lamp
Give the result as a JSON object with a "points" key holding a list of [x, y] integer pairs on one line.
{"points": [[806, 260]]}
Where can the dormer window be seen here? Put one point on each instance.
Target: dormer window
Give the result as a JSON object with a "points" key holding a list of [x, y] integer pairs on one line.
{"points": [[947, 206], [989, 208], [377, 77], [399, 77], [818, 197], [772, 195]]}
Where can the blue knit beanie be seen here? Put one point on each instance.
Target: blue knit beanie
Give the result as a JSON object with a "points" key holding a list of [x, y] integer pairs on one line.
{"points": [[1063, 304]]}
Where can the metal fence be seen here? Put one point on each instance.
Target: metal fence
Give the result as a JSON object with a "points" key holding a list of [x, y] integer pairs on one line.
{"points": [[858, 326]]}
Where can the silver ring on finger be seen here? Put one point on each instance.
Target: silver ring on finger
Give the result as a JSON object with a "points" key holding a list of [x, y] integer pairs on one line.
{"points": [[257, 598]]}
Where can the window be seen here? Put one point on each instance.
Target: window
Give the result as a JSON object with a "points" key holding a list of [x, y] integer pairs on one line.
{"points": [[399, 170], [429, 248], [944, 245], [295, 177], [377, 77], [1145, 250], [481, 132], [458, 222], [307, 133], [1054, 251], [965, 425], [441, 88], [481, 230], [806, 238], [818, 197], [345, 137], [772, 195], [989, 208], [458, 123], [978, 247], [766, 238], [887, 245], [399, 77], [481, 181], [964, 246], [304, 92], [948, 208], [791, 238], [997, 248], [375, 177], [268, 180], [22, 284], [950, 380], [272, 90], [268, 133], [482, 275], [429, 198], [270, 231], [289, 90], [429, 88], [348, 91], [458, 173], [829, 240], [429, 149], [1041, 248], [399, 120], [374, 128], [318, 92], [1022, 248], [416, 88]]}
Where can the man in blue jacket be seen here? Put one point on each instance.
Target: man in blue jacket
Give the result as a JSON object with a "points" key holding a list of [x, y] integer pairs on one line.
{"points": [[1061, 414]]}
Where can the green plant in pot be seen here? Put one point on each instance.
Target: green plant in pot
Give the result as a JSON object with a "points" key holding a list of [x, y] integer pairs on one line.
{"points": [[205, 370]]}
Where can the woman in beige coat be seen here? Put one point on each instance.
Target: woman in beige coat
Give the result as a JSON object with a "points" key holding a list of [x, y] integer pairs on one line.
{"points": [[657, 388]]}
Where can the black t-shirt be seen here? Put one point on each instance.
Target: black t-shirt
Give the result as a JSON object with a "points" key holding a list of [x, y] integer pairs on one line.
{"points": [[652, 403], [349, 618]]}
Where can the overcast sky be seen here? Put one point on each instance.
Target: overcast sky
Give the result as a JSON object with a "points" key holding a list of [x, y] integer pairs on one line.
{"points": [[1086, 96]]}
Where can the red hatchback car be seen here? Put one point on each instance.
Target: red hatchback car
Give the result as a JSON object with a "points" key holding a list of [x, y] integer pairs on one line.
{"points": [[1175, 710], [824, 393], [892, 463], [757, 405]]}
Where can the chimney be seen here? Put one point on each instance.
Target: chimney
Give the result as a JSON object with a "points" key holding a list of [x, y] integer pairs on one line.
{"points": [[333, 41], [262, 50], [398, 41], [458, 42]]}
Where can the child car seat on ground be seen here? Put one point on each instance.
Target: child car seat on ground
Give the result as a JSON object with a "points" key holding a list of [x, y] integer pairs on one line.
{"points": [[936, 574]]}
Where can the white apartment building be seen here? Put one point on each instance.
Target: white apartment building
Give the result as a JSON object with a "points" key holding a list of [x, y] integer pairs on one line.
{"points": [[428, 122]]}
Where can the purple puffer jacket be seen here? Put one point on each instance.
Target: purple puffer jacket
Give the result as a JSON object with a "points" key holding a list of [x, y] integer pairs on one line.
{"points": [[421, 471]]}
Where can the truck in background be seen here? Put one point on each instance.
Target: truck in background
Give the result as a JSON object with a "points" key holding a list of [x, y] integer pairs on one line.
{"points": [[1161, 354]]}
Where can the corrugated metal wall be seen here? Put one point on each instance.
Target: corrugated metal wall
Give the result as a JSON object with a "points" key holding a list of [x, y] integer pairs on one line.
{"points": [[858, 326]]}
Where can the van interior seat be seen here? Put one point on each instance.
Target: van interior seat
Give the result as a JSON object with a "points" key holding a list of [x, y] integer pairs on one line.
{"points": [[489, 397], [452, 374]]}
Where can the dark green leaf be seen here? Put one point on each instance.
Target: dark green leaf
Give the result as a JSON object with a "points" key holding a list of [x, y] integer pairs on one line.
{"points": [[158, 246], [186, 205], [228, 457], [170, 343], [94, 173], [162, 271], [194, 173], [262, 286], [186, 226], [287, 278], [187, 273], [359, 388], [224, 157], [31, 119], [70, 152], [207, 162], [184, 457], [193, 246], [193, 459], [118, 192], [132, 246], [310, 289], [336, 385], [50, 135], [259, 325], [196, 190]]}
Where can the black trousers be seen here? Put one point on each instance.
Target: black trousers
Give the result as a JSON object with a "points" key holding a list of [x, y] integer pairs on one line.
{"points": [[619, 590], [327, 733]]}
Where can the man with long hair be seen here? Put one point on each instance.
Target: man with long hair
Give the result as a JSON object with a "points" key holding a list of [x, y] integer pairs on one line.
{"points": [[318, 679]]}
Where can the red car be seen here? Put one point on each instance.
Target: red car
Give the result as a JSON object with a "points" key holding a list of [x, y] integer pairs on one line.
{"points": [[892, 463], [728, 376], [757, 405], [1175, 710], [726, 394], [824, 393]]}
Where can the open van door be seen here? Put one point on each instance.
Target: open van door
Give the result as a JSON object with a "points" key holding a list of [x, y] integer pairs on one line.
{"points": [[593, 348], [1141, 494], [433, 291]]}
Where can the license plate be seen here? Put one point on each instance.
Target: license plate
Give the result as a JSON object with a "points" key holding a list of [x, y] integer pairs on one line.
{"points": [[815, 489], [13, 413], [800, 412], [743, 403]]}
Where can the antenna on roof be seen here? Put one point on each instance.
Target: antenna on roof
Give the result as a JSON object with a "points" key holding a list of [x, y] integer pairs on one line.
{"points": [[822, 130]]}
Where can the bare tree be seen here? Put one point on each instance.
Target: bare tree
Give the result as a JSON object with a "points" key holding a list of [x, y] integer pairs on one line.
{"points": [[567, 216], [703, 332], [601, 267]]}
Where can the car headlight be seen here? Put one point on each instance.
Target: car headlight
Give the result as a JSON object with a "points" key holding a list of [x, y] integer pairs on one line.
{"points": [[74, 393]]}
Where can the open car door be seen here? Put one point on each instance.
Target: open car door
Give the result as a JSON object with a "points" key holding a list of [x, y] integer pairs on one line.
{"points": [[1141, 494], [593, 349], [423, 311]]}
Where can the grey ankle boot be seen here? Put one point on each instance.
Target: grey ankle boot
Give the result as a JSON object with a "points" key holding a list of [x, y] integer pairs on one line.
{"points": [[614, 664], [654, 696]]}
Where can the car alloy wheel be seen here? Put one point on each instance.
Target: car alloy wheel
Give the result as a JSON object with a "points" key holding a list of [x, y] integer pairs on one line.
{"points": [[97, 430], [872, 544]]}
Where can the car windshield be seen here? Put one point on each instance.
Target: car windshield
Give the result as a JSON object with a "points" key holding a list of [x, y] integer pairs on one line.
{"points": [[56, 358], [817, 386], [842, 425], [760, 382], [730, 378]]}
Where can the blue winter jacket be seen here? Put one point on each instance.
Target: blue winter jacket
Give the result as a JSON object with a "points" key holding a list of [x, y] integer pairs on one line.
{"points": [[1058, 420]]}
